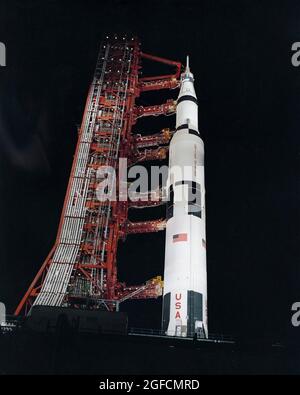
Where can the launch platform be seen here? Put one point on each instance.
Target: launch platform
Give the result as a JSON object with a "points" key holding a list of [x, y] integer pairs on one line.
{"points": [[25, 351]]}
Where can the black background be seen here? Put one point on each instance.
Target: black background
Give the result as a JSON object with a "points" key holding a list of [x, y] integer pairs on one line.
{"points": [[249, 97]]}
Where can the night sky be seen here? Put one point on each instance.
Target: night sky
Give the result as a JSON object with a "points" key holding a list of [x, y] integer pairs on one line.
{"points": [[249, 98]]}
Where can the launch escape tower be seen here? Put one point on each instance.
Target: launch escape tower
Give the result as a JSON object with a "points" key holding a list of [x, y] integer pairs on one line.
{"points": [[81, 268]]}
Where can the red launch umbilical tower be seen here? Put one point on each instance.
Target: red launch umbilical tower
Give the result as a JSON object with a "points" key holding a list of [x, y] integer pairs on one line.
{"points": [[81, 268]]}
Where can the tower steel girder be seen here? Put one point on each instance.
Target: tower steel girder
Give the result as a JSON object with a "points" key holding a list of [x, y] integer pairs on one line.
{"points": [[81, 268]]}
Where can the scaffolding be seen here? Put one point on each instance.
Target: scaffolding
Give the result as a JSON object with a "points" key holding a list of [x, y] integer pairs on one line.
{"points": [[81, 268]]}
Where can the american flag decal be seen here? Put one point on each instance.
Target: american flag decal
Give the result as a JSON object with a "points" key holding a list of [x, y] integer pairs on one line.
{"points": [[180, 237]]}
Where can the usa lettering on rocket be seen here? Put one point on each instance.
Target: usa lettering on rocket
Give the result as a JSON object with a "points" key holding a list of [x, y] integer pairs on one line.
{"points": [[185, 278]]}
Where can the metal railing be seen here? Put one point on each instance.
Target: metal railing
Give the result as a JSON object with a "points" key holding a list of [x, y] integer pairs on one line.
{"points": [[212, 337], [12, 324]]}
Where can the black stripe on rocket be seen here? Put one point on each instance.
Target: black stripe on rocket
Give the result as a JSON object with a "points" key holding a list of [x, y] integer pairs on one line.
{"points": [[194, 199], [190, 131], [187, 97]]}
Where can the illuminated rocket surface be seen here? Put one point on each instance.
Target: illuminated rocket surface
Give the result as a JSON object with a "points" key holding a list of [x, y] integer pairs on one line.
{"points": [[185, 279]]}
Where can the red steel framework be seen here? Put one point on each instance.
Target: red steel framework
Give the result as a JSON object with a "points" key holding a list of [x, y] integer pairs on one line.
{"points": [[81, 268]]}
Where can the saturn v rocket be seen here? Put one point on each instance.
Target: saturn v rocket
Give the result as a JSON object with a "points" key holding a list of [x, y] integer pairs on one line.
{"points": [[185, 279]]}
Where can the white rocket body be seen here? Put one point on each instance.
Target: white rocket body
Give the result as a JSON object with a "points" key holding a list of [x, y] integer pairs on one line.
{"points": [[185, 283]]}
